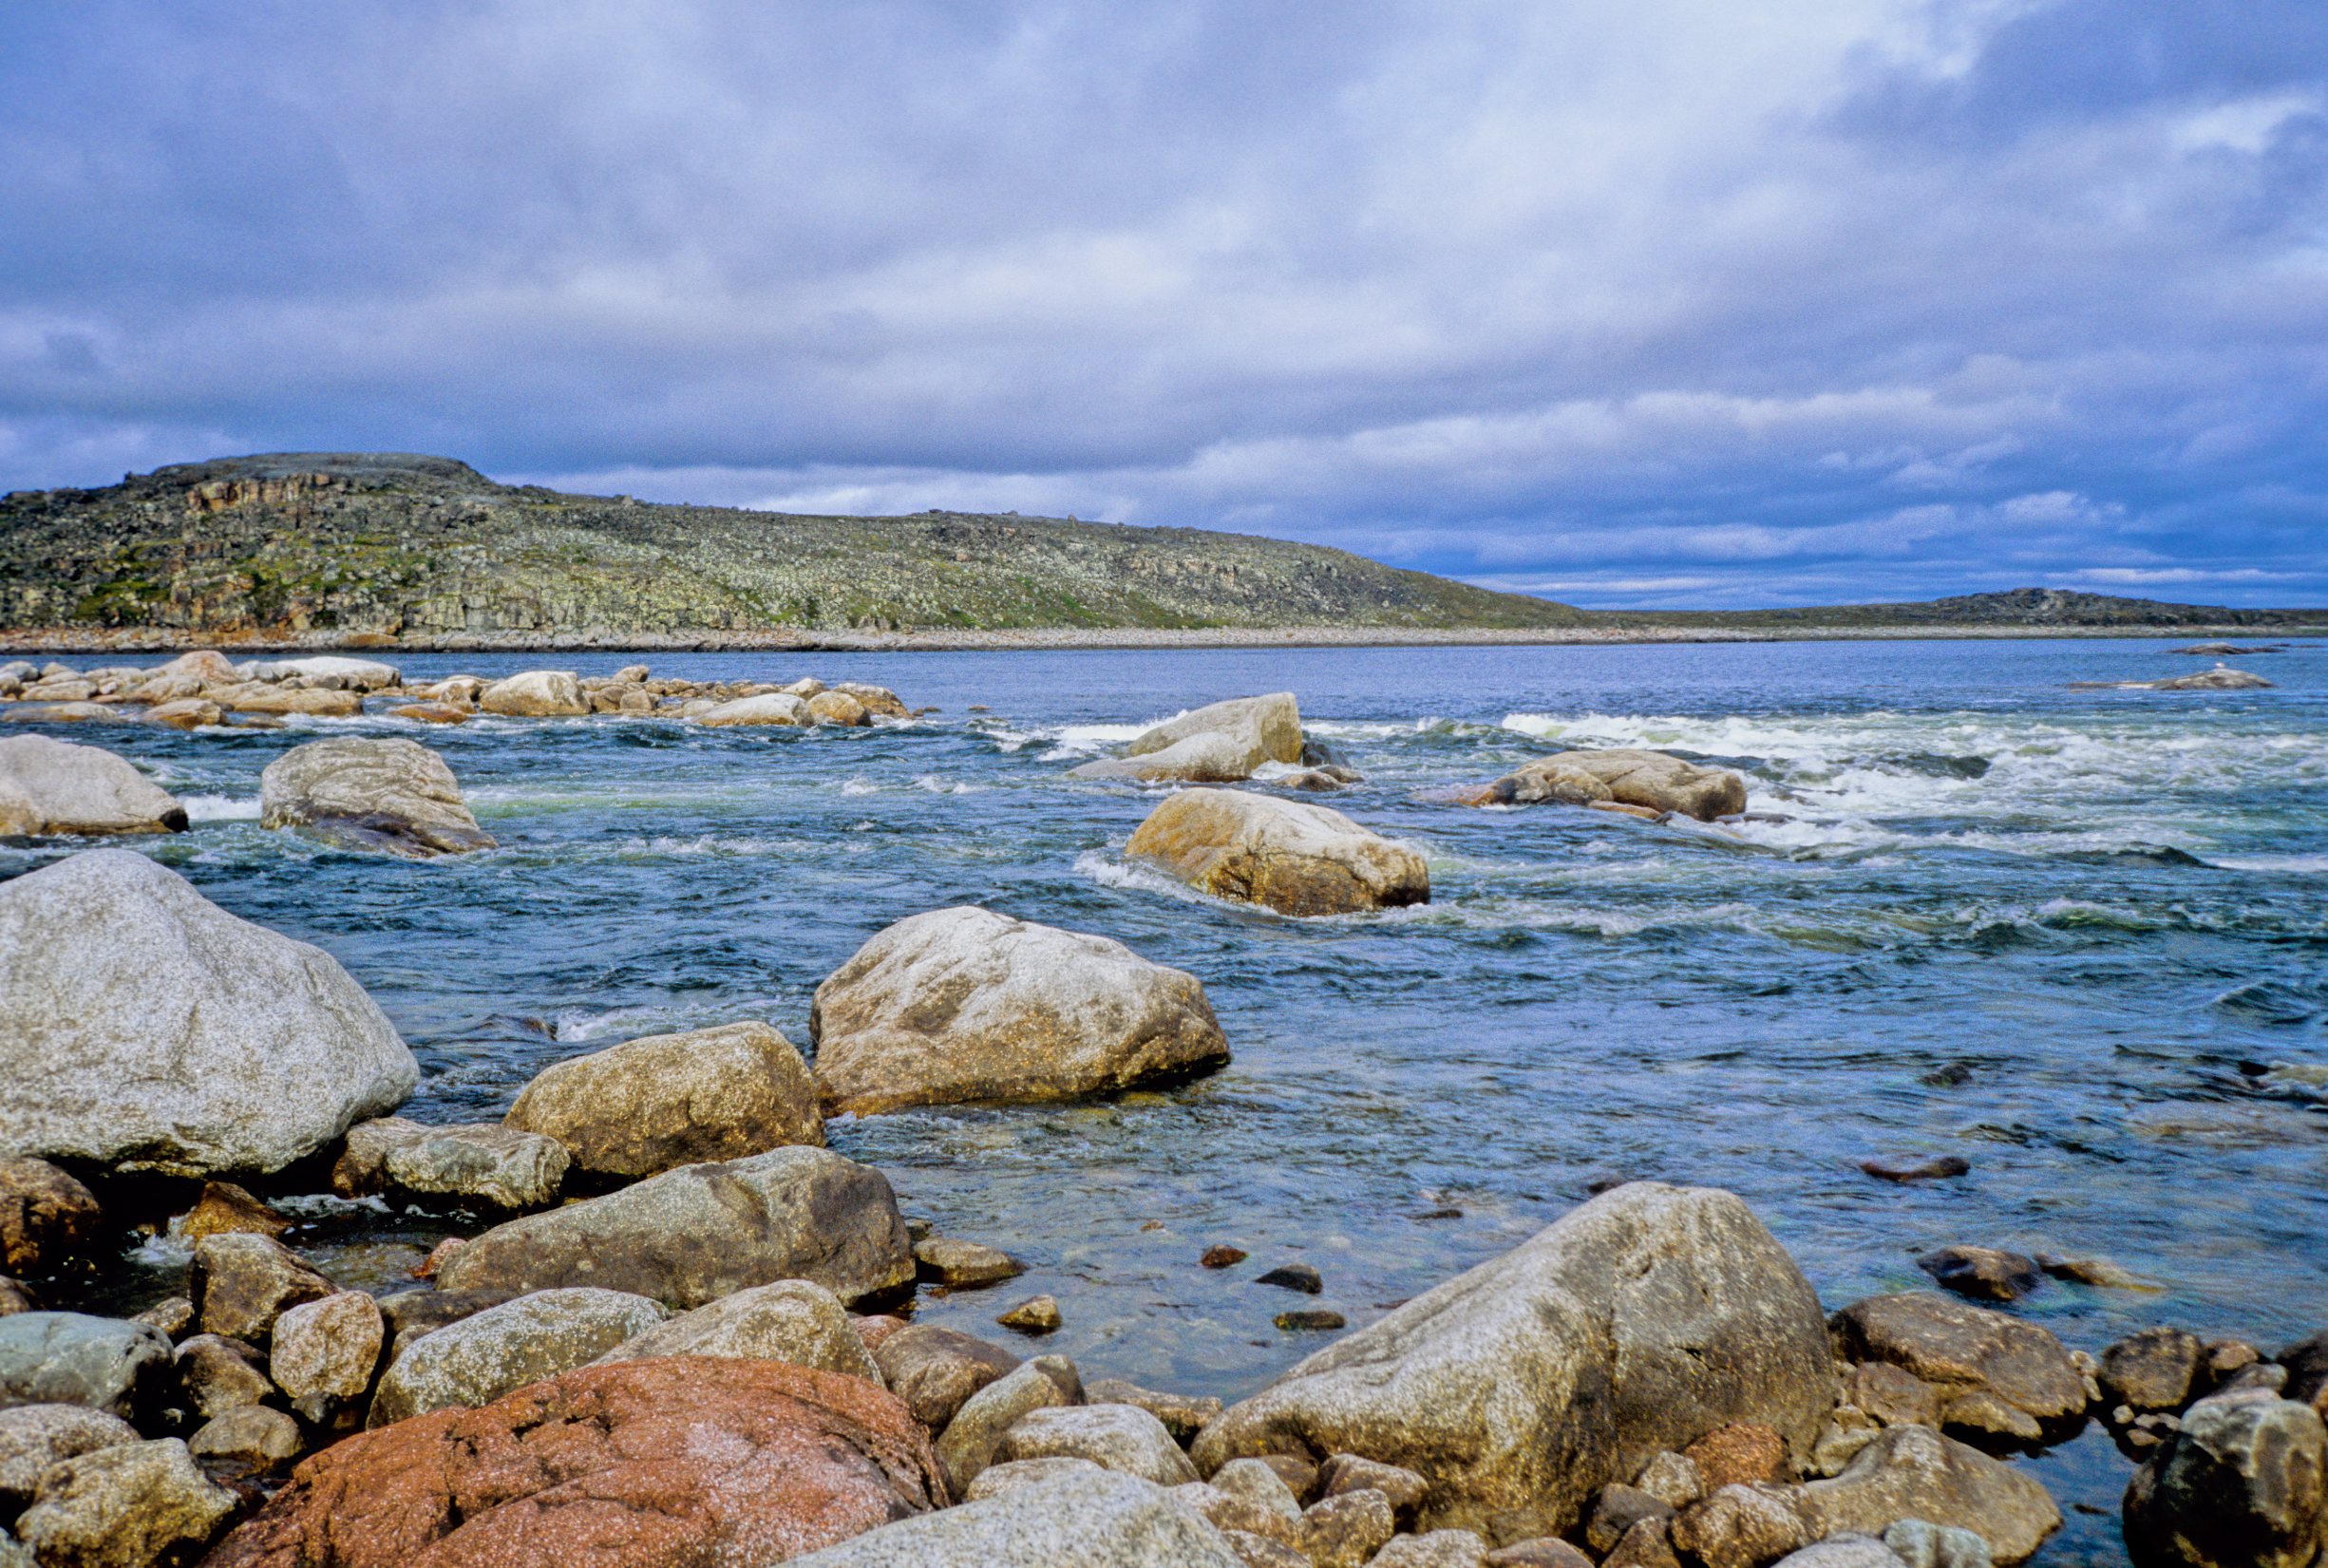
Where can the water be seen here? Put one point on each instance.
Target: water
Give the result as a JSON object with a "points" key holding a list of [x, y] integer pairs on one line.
{"points": [[2078, 938]]}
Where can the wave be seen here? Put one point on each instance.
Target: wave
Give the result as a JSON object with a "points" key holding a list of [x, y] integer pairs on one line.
{"points": [[221, 808]]}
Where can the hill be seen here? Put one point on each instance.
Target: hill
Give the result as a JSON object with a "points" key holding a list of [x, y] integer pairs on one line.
{"points": [[425, 549], [2036, 609]]}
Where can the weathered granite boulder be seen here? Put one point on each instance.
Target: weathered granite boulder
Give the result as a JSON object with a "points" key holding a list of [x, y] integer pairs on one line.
{"points": [[935, 1371], [536, 694], [2154, 1369], [325, 671], [2000, 1379], [2244, 1482], [1913, 1472], [480, 1165], [371, 793], [972, 1439], [1183, 1416], [1220, 743], [678, 1462], [790, 1320], [1295, 857], [186, 713], [56, 787], [1635, 1323], [45, 1217], [1078, 1520], [839, 708], [206, 665], [1651, 780], [222, 1207], [668, 1100], [132, 1505], [143, 1026], [33, 1437], [477, 1359], [324, 1352], [967, 1004], [240, 1282], [770, 707], [701, 1231], [105, 1363], [1114, 1437], [216, 1374], [259, 697], [410, 1314], [251, 1440]]}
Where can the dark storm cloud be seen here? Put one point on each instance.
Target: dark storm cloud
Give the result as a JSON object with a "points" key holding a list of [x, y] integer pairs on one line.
{"points": [[1679, 302]]}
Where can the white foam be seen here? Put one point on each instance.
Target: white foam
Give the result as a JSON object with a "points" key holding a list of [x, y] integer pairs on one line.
{"points": [[220, 808]]}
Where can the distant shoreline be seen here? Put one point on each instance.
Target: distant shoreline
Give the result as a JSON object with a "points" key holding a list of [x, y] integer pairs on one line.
{"points": [[156, 640]]}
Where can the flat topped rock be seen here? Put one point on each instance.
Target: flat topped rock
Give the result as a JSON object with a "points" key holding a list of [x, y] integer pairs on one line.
{"points": [[56, 787], [1295, 857]]}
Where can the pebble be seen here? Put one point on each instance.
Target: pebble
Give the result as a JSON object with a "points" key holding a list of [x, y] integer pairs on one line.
{"points": [[1036, 1314]]}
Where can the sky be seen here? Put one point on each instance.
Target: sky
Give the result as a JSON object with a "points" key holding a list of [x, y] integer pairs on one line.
{"points": [[1659, 303]]}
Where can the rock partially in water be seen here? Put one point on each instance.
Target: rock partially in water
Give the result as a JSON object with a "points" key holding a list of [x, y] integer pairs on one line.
{"points": [[839, 708], [1293, 1276], [46, 1215], [936, 1370], [33, 1437], [1038, 1315], [2222, 678], [1983, 1274], [143, 1026], [1220, 742], [2000, 1379], [963, 1265], [2154, 1369], [222, 1207], [790, 1320], [770, 707], [1652, 780], [2244, 1483], [477, 1358], [536, 694], [1635, 1323], [1939, 1169], [50, 786], [964, 1004], [481, 1165], [1913, 1472], [322, 672], [258, 697], [132, 1505], [676, 1462], [71, 1358], [1292, 855], [663, 1101], [186, 713], [1083, 1519], [392, 796], [701, 1231]]}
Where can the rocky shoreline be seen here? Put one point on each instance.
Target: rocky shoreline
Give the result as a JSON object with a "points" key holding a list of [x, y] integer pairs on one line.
{"points": [[671, 1325]]}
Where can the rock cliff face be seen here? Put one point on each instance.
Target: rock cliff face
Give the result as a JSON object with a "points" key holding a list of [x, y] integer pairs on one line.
{"points": [[425, 548]]}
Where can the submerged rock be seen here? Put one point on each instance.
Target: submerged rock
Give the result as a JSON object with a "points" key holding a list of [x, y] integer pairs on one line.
{"points": [[1081, 1518], [1652, 781], [55, 786], [1296, 858], [363, 792], [536, 694], [967, 1004], [698, 1233], [1634, 1324], [680, 1461], [477, 1359], [668, 1100], [143, 1026]]}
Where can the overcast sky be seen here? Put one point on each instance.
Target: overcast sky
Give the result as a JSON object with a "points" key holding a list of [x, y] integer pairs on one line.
{"points": [[1659, 302]]}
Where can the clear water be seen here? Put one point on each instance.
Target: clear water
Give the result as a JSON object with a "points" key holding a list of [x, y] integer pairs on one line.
{"points": [[2078, 938]]}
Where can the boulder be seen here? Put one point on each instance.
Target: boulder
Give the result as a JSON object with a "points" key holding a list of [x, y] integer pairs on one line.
{"points": [[324, 1352], [206, 665], [997, 1479], [144, 1027], [1183, 1416], [16, 1297], [964, 1004], [252, 1440], [369, 793], [1738, 1526], [131, 1505], [770, 707], [1295, 857], [241, 1282], [1436, 1549], [1983, 1274], [55, 786], [972, 1439], [216, 1374], [480, 1165], [1080, 1519], [186, 713], [1850, 1550], [1999, 1378], [1635, 1323], [33, 1437], [668, 1100], [2241, 1483], [1913, 1472], [477, 1359], [71, 1358], [45, 1217], [698, 1233], [408, 1315], [1347, 1531], [838, 708], [432, 713], [223, 1208], [1221, 742], [679, 1461], [1651, 780], [2155, 1370], [258, 697], [935, 1371], [1738, 1454], [1114, 1437], [790, 1320], [877, 700], [323, 671], [536, 694]]}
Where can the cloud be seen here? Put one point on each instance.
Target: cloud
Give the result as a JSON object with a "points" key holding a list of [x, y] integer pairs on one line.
{"points": [[1846, 298]]}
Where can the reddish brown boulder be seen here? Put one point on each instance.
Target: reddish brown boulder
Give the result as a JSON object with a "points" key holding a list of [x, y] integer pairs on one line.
{"points": [[677, 1461]]}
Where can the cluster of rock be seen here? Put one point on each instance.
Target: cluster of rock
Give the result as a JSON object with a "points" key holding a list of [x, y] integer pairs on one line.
{"points": [[1621, 779], [205, 688], [2222, 678]]}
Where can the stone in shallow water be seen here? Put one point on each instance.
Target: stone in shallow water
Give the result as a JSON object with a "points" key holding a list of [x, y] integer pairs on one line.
{"points": [[224, 1207], [963, 1265], [1038, 1315], [1294, 1276], [241, 1282], [1293, 857], [56, 787], [45, 1217], [1913, 1472], [1984, 1273], [1997, 1376], [386, 795]]}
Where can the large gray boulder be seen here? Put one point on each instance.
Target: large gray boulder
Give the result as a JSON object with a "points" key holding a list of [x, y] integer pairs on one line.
{"points": [[1652, 780], [55, 786], [475, 1165], [1635, 1323], [480, 1358], [1996, 1377], [701, 1231], [105, 1363], [967, 1004], [536, 694], [1295, 858], [2244, 1482], [143, 1026], [1085, 1519], [768, 707], [33, 1437], [1220, 743], [394, 797], [1913, 1472], [320, 671], [1114, 1437], [668, 1100], [790, 1320], [133, 1505]]}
